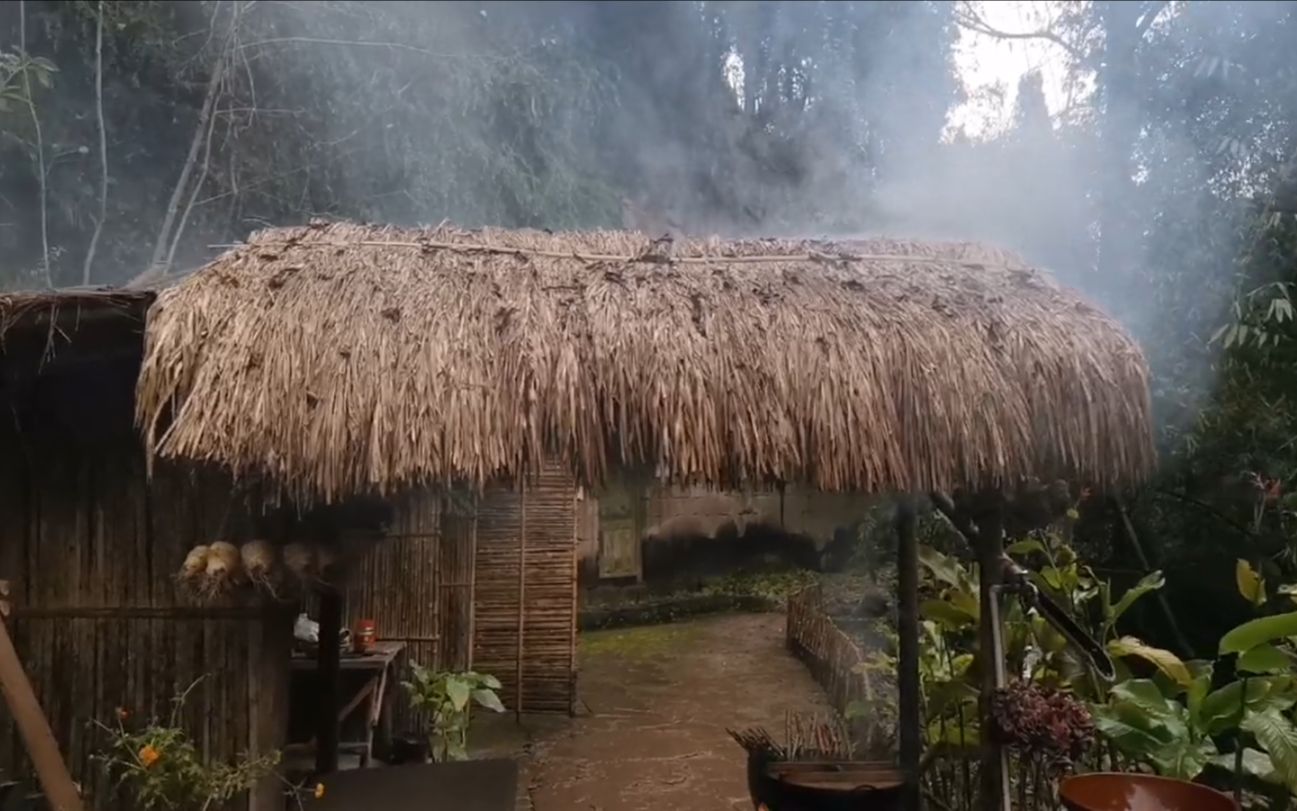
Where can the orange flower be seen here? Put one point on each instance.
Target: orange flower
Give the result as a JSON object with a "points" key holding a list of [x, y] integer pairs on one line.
{"points": [[319, 791], [149, 756]]}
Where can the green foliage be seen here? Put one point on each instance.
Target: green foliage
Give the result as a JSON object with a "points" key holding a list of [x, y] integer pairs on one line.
{"points": [[17, 72], [1176, 725], [772, 586], [446, 699], [161, 768]]}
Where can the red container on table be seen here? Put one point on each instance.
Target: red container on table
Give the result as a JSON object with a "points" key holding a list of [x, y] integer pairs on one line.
{"points": [[365, 637]]}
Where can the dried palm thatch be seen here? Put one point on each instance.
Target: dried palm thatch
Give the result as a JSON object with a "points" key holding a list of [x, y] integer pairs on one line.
{"points": [[54, 310], [342, 359]]}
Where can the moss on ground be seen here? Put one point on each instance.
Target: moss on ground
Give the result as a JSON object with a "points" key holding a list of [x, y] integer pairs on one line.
{"points": [[642, 641]]}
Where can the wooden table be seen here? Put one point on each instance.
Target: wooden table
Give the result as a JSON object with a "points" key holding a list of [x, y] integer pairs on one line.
{"points": [[371, 695]]}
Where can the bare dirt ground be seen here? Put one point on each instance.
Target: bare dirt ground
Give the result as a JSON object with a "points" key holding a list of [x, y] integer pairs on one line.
{"points": [[650, 730]]}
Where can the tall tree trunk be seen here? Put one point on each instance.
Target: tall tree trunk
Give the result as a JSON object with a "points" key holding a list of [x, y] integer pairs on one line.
{"points": [[1118, 82]]}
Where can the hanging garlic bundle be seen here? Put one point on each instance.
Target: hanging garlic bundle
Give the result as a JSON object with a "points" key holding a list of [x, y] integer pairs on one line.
{"points": [[223, 567], [299, 559], [258, 559], [195, 564]]}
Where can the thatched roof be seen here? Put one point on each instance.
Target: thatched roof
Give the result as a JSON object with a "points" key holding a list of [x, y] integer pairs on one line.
{"points": [[49, 308], [345, 359]]}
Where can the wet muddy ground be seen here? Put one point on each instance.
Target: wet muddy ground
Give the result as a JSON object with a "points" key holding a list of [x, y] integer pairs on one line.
{"points": [[650, 727]]}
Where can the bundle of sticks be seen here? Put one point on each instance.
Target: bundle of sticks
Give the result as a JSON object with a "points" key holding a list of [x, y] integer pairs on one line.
{"points": [[805, 739]]}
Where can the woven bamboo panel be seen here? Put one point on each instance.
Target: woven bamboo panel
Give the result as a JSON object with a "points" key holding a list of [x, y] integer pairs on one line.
{"points": [[525, 596], [395, 584], [90, 551]]}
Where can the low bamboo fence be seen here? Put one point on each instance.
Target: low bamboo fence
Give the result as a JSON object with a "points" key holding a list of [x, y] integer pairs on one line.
{"points": [[828, 652], [950, 778]]}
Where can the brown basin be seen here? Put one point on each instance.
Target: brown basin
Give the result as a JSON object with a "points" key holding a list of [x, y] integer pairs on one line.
{"points": [[1104, 791], [827, 786]]}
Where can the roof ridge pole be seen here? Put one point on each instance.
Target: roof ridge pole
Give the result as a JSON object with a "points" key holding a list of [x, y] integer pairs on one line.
{"points": [[907, 668]]}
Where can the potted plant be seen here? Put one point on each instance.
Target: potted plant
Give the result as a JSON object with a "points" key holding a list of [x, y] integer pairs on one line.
{"points": [[447, 698]]}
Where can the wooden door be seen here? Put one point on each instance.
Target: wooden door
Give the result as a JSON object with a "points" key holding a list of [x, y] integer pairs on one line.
{"points": [[619, 533]]}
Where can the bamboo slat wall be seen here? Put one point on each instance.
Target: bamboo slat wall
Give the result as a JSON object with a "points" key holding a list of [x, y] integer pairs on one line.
{"points": [[90, 552], [525, 593], [416, 584], [829, 653]]}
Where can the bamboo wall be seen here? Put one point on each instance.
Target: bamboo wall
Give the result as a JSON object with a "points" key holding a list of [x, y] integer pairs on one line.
{"points": [[525, 592], [484, 583], [416, 583], [90, 552]]}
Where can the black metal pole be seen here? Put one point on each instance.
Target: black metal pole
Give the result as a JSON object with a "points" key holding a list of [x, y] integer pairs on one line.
{"points": [[328, 661], [907, 622], [990, 549]]}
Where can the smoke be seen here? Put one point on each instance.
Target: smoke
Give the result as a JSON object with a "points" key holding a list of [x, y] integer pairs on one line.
{"points": [[778, 118]]}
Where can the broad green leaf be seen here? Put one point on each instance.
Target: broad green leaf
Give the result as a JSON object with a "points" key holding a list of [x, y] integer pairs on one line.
{"points": [[490, 682], [1150, 582], [1026, 547], [1250, 584], [1278, 737], [1164, 660], [966, 601], [1257, 632], [1144, 694], [488, 699], [1132, 731], [1255, 763], [1220, 708], [458, 692], [1198, 689], [1053, 577], [946, 614], [1265, 659], [944, 569], [945, 698], [1184, 759]]}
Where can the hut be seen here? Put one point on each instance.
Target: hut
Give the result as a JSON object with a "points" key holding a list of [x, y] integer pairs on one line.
{"points": [[634, 532], [94, 534], [335, 361], [88, 546]]}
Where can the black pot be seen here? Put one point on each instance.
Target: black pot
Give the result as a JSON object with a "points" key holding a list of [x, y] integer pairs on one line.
{"points": [[825, 786], [408, 749]]}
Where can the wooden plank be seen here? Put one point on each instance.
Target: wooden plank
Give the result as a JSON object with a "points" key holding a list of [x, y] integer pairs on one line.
{"points": [[56, 781], [326, 753]]}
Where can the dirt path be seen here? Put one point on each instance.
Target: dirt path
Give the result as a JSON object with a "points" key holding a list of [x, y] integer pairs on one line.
{"points": [[650, 733]]}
